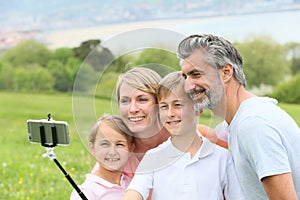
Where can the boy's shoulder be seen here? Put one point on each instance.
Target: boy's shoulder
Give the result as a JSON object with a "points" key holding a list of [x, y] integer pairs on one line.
{"points": [[208, 148]]}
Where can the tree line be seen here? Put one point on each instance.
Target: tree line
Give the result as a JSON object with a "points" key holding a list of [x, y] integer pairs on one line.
{"points": [[32, 67]]}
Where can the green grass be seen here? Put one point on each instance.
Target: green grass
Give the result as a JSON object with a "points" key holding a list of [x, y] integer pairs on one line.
{"points": [[25, 173]]}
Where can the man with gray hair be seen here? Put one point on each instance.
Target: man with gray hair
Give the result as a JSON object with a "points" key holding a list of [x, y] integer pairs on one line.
{"points": [[263, 138]]}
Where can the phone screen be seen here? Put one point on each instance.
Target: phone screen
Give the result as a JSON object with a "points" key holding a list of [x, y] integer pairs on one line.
{"points": [[48, 132]]}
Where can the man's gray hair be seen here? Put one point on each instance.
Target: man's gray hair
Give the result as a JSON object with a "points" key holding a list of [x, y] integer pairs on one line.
{"points": [[217, 50]]}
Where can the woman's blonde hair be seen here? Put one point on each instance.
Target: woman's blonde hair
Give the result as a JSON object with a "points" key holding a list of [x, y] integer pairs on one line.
{"points": [[141, 78]]}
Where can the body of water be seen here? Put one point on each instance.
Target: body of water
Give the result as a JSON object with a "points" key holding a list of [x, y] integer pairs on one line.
{"points": [[283, 27]]}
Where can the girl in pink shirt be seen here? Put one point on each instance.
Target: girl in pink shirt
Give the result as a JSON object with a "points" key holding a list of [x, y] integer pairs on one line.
{"points": [[110, 144]]}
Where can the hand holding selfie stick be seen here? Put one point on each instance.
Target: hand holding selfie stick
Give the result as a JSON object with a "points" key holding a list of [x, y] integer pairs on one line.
{"points": [[51, 155]]}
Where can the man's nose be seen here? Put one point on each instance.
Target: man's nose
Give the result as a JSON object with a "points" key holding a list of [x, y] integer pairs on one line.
{"points": [[189, 84]]}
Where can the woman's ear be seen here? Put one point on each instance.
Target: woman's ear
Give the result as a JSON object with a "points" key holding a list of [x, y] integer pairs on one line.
{"points": [[227, 72]]}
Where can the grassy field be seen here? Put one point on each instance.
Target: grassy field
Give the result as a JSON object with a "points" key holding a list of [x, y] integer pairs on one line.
{"points": [[25, 173]]}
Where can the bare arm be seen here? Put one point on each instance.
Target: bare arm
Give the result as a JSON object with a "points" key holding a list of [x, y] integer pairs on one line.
{"points": [[132, 195], [280, 187]]}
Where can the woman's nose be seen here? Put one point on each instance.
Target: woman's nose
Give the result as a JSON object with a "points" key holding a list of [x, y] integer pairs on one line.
{"points": [[133, 107]]}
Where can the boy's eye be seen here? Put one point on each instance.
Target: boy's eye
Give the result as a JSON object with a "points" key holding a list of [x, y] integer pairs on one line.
{"points": [[178, 105], [163, 107]]}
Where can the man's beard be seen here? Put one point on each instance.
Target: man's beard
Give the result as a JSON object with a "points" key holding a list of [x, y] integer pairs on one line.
{"points": [[210, 100]]}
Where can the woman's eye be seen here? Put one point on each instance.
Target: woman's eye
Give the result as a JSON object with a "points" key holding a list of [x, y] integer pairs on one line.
{"points": [[124, 101], [143, 99]]}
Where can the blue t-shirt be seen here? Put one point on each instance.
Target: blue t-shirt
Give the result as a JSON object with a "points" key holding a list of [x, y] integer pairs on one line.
{"points": [[264, 141]]}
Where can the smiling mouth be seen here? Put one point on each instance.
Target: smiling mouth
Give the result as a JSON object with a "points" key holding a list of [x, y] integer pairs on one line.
{"points": [[197, 94], [136, 119], [172, 123], [112, 159]]}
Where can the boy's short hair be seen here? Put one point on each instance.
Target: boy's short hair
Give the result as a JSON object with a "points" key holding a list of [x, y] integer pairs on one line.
{"points": [[172, 82], [115, 123]]}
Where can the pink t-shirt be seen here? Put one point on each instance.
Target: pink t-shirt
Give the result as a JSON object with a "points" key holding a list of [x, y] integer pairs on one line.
{"points": [[95, 187]]}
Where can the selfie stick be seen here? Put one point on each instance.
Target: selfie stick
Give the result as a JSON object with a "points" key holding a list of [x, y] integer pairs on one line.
{"points": [[51, 155]]}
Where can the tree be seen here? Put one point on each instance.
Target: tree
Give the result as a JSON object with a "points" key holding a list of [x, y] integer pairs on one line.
{"points": [[34, 79], [63, 54], [64, 74], [264, 61], [27, 53], [85, 80], [6, 74], [85, 48], [92, 53], [293, 49], [288, 91], [159, 60]]}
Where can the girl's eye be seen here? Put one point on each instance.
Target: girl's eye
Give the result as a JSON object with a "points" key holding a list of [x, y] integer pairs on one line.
{"points": [[121, 145], [104, 144]]}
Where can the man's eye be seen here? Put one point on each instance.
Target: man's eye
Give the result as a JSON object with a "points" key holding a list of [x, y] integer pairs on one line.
{"points": [[196, 75], [184, 76]]}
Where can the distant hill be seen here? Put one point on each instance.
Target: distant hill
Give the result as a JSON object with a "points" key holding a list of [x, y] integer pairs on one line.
{"points": [[64, 14], [32, 19]]}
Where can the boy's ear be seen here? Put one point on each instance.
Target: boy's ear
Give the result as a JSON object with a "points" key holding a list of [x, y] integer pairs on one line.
{"points": [[227, 72], [198, 113]]}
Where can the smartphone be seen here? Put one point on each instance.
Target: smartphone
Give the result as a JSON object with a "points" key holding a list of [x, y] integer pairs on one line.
{"points": [[48, 133]]}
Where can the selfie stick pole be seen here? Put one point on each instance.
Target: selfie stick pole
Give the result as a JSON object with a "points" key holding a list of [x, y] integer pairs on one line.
{"points": [[51, 155]]}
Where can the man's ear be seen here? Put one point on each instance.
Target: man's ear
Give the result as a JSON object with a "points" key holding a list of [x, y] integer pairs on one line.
{"points": [[227, 72]]}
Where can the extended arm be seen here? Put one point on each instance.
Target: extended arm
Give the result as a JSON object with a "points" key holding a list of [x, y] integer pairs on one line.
{"points": [[280, 187], [132, 195]]}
